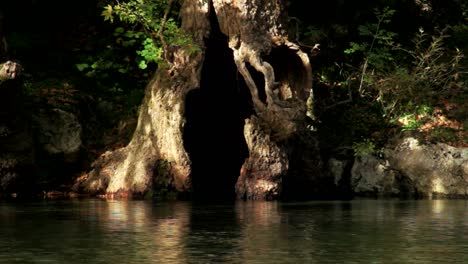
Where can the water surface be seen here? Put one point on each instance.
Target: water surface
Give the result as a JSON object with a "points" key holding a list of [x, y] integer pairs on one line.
{"points": [[361, 231]]}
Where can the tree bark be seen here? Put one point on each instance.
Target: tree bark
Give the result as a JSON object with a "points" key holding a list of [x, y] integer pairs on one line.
{"points": [[255, 29], [9, 70], [155, 159]]}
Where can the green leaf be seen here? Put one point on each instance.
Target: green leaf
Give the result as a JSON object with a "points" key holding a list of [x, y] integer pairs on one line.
{"points": [[355, 47], [81, 66], [129, 34], [119, 30], [364, 30], [107, 13], [129, 43], [142, 65]]}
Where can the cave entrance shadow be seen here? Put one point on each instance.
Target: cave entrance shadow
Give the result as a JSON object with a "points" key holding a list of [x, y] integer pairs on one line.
{"points": [[215, 114]]}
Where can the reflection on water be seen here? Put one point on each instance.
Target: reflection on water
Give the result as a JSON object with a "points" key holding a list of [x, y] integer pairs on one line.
{"points": [[98, 231]]}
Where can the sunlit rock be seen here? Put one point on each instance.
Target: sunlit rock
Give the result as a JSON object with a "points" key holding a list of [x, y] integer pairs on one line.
{"points": [[435, 169], [371, 176], [414, 169]]}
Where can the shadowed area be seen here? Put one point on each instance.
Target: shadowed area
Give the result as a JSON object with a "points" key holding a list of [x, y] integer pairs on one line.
{"points": [[215, 115], [289, 73]]}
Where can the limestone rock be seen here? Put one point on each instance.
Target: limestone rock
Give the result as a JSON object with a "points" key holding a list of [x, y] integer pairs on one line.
{"points": [[370, 175], [435, 169], [337, 169], [415, 169], [59, 131]]}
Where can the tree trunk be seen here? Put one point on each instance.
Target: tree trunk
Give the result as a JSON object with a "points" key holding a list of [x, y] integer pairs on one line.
{"points": [[9, 70], [275, 78]]}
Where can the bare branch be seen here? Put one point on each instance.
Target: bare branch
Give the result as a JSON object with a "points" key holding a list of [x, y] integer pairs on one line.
{"points": [[161, 29]]}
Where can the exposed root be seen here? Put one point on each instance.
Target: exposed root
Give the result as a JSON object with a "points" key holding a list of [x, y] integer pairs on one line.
{"points": [[240, 62]]}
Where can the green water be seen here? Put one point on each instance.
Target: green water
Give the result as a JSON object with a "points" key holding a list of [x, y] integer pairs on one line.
{"points": [[363, 231]]}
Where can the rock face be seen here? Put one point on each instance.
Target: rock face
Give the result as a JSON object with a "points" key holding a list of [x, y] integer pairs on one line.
{"points": [[337, 169], [36, 150], [15, 164], [58, 131], [371, 176], [16, 138], [435, 169], [413, 169]]}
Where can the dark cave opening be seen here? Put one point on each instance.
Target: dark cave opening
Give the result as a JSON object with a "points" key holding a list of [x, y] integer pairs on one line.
{"points": [[215, 114]]}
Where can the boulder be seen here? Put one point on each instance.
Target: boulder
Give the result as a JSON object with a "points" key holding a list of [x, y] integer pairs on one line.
{"points": [[58, 131], [371, 176], [415, 169], [337, 169], [16, 139], [435, 169]]}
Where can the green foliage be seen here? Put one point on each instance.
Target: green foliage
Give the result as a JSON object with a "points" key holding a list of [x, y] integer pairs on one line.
{"points": [[142, 36], [377, 36], [107, 62], [414, 118], [52, 93], [144, 33], [433, 73], [149, 53], [364, 148], [158, 23], [344, 125], [375, 47], [445, 134], [411, 123], [405, 90], [381, 87]]}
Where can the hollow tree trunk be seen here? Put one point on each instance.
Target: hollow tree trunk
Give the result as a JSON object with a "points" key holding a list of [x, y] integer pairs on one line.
{"points": [[156, 158]]}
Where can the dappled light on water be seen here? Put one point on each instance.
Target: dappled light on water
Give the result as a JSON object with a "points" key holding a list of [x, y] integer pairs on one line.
{"points": [[366, 231]]}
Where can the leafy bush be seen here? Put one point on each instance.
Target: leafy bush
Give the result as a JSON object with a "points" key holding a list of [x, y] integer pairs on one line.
{"points": [[413, 120], [364, 148], [403, 83], [142, 36], [432, 74], [157, 20], [405, 89]]}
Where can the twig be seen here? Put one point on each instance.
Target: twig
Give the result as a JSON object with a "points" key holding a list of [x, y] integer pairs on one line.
{"points": [[364, 67], [314, 48], [161, 29], [349, 100]]}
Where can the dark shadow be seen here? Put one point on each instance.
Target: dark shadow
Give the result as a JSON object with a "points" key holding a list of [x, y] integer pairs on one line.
{"points": [[215, 114], [259, 82], [289, 69]]}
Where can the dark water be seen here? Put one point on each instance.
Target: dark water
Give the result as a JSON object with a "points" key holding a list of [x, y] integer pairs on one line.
{"points": [[97, 231]]}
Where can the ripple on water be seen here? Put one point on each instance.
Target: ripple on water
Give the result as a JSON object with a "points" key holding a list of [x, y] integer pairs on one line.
{"points": [[98, 231]]}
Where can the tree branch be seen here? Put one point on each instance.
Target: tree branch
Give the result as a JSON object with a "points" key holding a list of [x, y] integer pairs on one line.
{"points": [[161, 29]]}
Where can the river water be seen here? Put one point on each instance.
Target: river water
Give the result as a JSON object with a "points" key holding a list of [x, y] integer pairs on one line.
{"points": [[361, 231]]}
